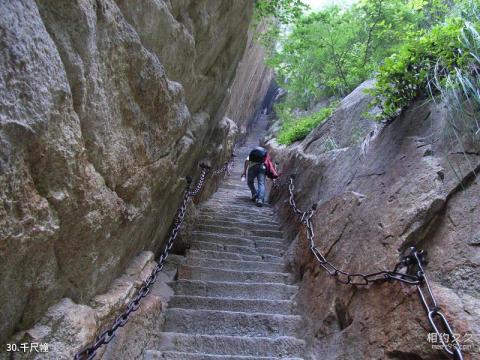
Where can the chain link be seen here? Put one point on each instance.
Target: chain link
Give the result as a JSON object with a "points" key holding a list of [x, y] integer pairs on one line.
{"points": [[201, 180], [414, 259], [436, 318], [106, 336], [228, 166]]}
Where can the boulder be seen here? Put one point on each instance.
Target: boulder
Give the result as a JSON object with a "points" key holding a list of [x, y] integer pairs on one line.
{"points": [[410, 183], [106, 106]]}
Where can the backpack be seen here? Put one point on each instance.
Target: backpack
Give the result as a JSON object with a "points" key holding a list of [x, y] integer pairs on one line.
{"points": [[271, 172], [257, 155]]}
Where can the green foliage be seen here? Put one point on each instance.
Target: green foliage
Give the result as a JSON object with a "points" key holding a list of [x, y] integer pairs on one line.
{"points": [[284, 11], [284, 113], [332, 51], [270, 16], [414, 48], [295, 129], [407, 74], [459, 90]]}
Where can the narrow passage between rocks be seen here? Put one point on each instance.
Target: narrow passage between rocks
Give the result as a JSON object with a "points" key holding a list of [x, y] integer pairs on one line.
{"points": [[233, 298]]}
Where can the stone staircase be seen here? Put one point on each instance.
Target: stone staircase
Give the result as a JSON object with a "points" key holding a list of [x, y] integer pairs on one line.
{"points": [[233, 298]]}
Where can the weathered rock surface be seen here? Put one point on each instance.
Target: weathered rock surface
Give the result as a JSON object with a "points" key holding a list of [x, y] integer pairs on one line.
{"points": [[409, 184], [65, 326], [105, 107], [250, 86]]}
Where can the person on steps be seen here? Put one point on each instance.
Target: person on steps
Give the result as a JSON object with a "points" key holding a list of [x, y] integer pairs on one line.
{"points": [[259, 165]]}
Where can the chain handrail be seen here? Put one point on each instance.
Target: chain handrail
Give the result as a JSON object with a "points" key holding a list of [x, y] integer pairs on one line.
{"points": [[228, 166], [414, 259], [107, 335]]}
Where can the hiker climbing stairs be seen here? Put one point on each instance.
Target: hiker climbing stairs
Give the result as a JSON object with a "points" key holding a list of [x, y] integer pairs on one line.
{"points": [[233, 298]]}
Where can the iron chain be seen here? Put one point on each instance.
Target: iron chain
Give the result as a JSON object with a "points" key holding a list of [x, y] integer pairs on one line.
{"points": [[107, 336], [201, 181], [414, 259], [228, 166], [436, 318]]}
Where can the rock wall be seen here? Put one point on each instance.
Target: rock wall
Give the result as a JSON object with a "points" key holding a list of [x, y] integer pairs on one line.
{"points": [[409, 183], [105, 107], [251, 84]]}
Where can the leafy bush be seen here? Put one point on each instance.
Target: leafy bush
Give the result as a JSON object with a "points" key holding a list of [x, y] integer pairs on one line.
{"points": [[295, 129], [459, 91], [408, 73]]}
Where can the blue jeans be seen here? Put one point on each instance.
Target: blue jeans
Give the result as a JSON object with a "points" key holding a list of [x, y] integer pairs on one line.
{"points": [[257, 171]]}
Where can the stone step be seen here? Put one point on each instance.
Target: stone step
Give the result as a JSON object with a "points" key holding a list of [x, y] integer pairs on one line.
{"points": [[238, 204], [234, 181], [244, 215], [215, 322], [268, 243], [244, 229], [284, 346], [241, 206], [175, 355], [232, 195], [235, 185], [269, 250], [247, 209], [224, 255], [222, 239], [236, 264], [285, 307], [241, 188], [227, 194], [273, 232], [224, 221], [234, 290], [227, 189], [243, 240], [186, 272], [276, 246], [240, 192], [244, 250]]}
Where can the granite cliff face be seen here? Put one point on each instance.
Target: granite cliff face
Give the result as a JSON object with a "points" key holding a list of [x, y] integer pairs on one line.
{"points": [[410, 184], [253, 79], [105, 106]]}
